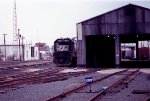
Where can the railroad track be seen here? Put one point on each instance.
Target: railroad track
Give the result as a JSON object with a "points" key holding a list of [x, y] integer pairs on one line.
{"points": [[147, 99], [14, 68], [80, 93], [125, 80], [28, 77], [9, 66], [47, 75], [18, 74], [61, 76]]}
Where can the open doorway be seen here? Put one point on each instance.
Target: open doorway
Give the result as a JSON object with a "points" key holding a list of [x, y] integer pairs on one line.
{"points": [[100, 51], [135, 50]]}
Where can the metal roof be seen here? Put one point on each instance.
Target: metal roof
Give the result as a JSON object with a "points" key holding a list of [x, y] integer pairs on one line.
{"points": [[129, 5]]}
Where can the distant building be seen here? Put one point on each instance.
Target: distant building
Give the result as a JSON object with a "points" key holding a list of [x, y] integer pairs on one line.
{"points": [[41, 46], [25, 52], [31, 52], [10, 55], [44, 50]]}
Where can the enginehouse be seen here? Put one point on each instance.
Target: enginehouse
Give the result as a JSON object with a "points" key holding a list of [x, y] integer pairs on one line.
{"points": [[118, 38]]}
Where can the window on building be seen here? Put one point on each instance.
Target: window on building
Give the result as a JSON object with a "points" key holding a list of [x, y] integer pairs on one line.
{"points": [[144, 50], [128, 51], [32, 51]]}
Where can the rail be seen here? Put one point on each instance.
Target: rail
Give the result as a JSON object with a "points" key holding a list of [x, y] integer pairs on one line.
{"points": [[69, 91], [113, 85]]}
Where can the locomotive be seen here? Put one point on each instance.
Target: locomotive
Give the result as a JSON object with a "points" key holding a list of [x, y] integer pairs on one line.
{"points": [[64, 52]]}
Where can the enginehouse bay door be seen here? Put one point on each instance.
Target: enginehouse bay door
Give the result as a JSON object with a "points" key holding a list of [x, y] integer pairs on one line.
{"points": [[100, 51]]}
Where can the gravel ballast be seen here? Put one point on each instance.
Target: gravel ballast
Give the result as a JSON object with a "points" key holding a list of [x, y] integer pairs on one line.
{"points": [[41, 92], [141, 82]]}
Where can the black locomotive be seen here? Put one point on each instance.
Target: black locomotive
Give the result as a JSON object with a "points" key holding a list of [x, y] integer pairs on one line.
{"points": [[64, 52]]}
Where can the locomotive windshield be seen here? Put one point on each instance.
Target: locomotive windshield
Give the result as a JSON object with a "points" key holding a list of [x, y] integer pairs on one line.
{"points": [[62, 46]]}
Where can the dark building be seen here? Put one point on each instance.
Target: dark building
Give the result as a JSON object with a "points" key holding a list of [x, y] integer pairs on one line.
{"points": [[117, 38], [41, 46]]}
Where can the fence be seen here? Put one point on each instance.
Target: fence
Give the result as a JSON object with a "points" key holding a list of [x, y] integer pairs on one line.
{"points": [[11, 52]]}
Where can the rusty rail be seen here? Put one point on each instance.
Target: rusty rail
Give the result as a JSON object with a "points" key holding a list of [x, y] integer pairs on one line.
{"points": [[52, 75], [26, 78], [113, 85], [24, 64], [81, 86], [147, 99]]}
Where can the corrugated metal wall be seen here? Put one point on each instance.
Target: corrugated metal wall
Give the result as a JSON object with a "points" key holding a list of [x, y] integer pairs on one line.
{"points": [[130, 19], [119, 22]]}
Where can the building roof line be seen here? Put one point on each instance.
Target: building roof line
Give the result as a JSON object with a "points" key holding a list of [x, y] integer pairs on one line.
{"points": [[132, 5]]}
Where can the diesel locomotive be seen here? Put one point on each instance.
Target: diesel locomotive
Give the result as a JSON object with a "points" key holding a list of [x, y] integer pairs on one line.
{"points": [[64, 52]]}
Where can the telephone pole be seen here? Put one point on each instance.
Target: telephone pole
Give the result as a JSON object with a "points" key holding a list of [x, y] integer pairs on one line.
{"points": [[19, 36], [5, 45], [22, 48]]}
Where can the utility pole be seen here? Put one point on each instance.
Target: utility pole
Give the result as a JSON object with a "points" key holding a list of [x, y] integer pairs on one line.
{"points": [[148, 51], [22, 48], [19, 36], [5, 45]]}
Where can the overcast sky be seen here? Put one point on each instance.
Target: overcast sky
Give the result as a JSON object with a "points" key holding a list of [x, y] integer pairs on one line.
{"points": [[47, 20]]}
